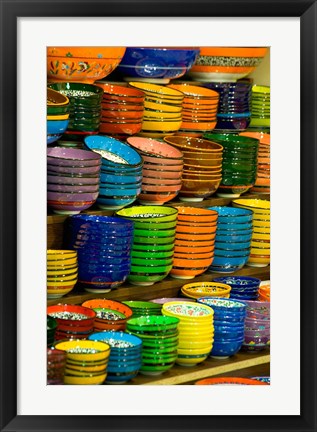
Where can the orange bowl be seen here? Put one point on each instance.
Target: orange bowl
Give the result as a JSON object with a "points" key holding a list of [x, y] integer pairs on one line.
{"points": [[193, 214], [120, 128], [82, 64], [190, 144], [189, 237], [194, 230], [187, 273]]}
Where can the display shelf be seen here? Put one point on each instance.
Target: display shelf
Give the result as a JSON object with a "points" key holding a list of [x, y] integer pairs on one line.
{"points": [[242, 361], [169, 287]]}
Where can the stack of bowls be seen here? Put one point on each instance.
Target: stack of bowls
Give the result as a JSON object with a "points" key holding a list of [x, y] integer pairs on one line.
{"points": [[142, 308], [72, 179], [156, 64], [110, 314], [62, 272], [86, 361], [163, 300], [242, 287], [103, 245], [206, 289], [202, 171], [233, 239], [260, 244], [230, 381], [57, 115], [153, 243], [121, 172], [56, 360], [265, 291], [196, 331], [85, 107], [262, 182], [162, 109], [229, 319], [200, 106], [51, 328], [73, 322], [82, 64], [234, 110], [260, 108], [159, 335], [226, 64], [239, 164], [162, 170], [125, 355], [257, 326], [122, 109], [194, 242]]}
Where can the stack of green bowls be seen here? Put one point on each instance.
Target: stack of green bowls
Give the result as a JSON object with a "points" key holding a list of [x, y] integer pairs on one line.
{"points": [[85, 107], [143, 308], [260, 108], [51, 328], [239, 163], [159, 336], [153, 243]]}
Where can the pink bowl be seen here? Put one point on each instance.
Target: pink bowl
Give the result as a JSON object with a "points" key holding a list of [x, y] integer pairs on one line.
{"points": [[156, 198], [160, 181], [71, 197], [154, 188], [161, 166], [152, 147], [163, 161], [72, 188], [161, 174], [65, 157], [73, 170]]}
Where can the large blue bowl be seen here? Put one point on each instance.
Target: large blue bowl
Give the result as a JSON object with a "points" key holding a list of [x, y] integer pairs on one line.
{"points": [[109, 278], [224, 306], [122, 170], [225, 348], [232, 214], [124, 192], [229, 262], [119, 179], [159, 63], [121, 153], [225, 226], [115, 203], [55, 127], [232, 246], [239, 281], [233, 238], [232, 253], [102, 223], [229, 334]]}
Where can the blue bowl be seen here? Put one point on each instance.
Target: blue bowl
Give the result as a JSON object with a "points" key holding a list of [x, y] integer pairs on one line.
{"points": [[226, 226], [228, 335], [226, 348], [229, 261], [122, 170], [244, 297], [166, 63], [119, 179], [239, 281], [232, 253], [120, 186], [52, 138], [102, 279], [224, 306], [55, 127], [103, 223], [232, 124], [115, 203], [249, 291], [238, 115], [120, 378], [233, 214], [120, 336], [117, 149], [108, 193], [233, 238], [232, 246], [224, 328]]}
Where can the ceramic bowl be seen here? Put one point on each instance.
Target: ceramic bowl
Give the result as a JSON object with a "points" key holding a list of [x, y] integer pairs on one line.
{"points": [[229, 381], [158, 64], [72, 157], [198, 289], [83, 64]]}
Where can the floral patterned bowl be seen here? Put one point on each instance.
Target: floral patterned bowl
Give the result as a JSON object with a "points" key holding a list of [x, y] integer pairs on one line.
{"points": [[188, 311]]}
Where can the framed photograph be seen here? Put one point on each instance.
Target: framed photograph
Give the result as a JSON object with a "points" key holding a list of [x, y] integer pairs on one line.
{"points": [[27, 402]]}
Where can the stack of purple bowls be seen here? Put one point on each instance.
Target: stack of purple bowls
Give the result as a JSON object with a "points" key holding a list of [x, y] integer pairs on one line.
{"points": [[72, 179], [103, 245], [234, 109], [257, 326]]}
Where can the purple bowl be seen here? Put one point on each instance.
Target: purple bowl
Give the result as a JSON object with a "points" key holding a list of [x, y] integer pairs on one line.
{"points": [[69, 197], [65, 180], [256, 340], [252, 323], [257, 316], [52, 187], [73, 170], [61, 156], [261, 307], [70, 208], [166, 300]]}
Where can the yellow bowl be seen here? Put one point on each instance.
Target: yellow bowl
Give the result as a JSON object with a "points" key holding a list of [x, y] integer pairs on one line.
{"points": [[72, 380], [57, 117], [103, 349], [191, 322], [61, 272], [60, 254], [62, 285], [157, 90], [161, 126], [198, 351], [204, 345], [262, 217], [159, 115], [258, 236], [205, 289], [157, 106], [186, 308], [74, 369], [261, 223], [263, 261], [53, 279], [190, 361], [60, 265], [260, 251], [256, 205]]}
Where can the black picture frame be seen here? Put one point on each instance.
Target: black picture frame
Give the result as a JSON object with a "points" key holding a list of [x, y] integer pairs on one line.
{"points": [[10, 11]]}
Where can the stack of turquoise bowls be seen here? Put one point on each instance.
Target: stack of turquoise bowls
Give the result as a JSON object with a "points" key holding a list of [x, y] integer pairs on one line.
{"points": [[153, 243], [159, 336]]}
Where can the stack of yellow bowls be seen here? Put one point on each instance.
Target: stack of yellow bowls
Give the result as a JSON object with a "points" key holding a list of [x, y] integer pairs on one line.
{"points": [[197, 290], [196, 331], [260, 242], [86, 361], [162, 109], [62, 272]]}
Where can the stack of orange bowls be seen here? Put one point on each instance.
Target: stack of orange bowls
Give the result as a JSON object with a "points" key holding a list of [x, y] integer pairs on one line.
{"points": [[162, 170], [200, 106], [262, 183], [194, 242], [202, 172], [121, 109], [265, 291], [162, 109]]}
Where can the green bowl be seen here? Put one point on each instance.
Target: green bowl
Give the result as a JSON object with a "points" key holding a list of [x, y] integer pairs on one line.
{"points": [[153, 323], [153, 240], [57, 110], [155, 225], [159, 359], [233, 140], [145, 254], [146, 369], [160, 343], [158, 351], [83, 94], [136, 304], [149, 213], [151, 262], [153, 233], [145, 279], [149, 270], [154, 247]]}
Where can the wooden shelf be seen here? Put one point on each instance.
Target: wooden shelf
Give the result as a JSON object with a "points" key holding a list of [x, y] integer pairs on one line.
{"points": [[209, 368], [169, 287]]}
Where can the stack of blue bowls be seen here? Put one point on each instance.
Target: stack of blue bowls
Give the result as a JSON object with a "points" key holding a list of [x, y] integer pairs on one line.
{"points": [[233, 239], [242, 287], [229, 320], [234, 108], [121, 172], [103, 245], [125, 355]]}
